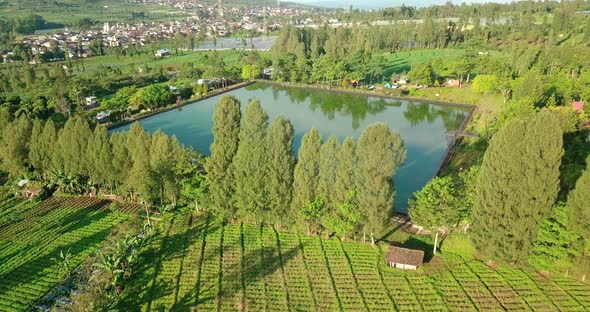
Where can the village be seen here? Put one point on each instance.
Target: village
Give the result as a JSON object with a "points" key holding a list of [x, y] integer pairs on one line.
{"points": [[199, 22]]}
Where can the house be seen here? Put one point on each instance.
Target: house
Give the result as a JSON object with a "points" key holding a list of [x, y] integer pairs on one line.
{"points": [[162, 52], [91, 101], [578, 106], [103, 117], [404, 258], [454, 83]]}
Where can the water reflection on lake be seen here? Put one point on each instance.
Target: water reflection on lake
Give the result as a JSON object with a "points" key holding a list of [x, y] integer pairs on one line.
{"points": [[422, 126]]}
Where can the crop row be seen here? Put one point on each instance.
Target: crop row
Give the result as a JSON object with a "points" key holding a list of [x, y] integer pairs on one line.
{"points": [[207, 266], [29, 245]]}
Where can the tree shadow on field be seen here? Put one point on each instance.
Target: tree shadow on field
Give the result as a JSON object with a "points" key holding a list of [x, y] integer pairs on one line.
{"points": [[37, 268], [255, 266], [150, 269]]}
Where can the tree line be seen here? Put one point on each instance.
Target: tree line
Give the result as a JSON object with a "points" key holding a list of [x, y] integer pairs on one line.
{"points": [[155, 169], [512, 201], [344, 187]]}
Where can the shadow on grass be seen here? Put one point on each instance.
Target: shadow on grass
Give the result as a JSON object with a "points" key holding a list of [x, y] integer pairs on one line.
{"points": [[43, 268]]}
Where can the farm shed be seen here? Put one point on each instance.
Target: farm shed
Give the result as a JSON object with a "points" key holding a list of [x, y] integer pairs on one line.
{"points": [[404, 258]]}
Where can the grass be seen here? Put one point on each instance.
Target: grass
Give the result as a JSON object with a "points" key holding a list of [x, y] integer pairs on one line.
{"points": [[33, 234], [198, 263], [401, 62]]}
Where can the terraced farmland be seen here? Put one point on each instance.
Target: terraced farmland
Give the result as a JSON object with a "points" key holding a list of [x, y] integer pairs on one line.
{"points": [[200, 265], [32, 234]]}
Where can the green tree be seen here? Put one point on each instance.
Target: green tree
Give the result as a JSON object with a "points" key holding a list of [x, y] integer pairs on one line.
{"points": [[47, 147], [348, 218], [120, 101], [100, 154], [485, 84], [250, 177], [345, 172], [141, 181], [36, 147], [579, 209], [194, 186], [422, 74], [155, 96], [15, 147], [554, 247], [380, 152], [305, 179], [220, 174], [71, 152], [121, 161], [437, 206], [327, 175], [280, 166], [517, 186], [164, 154]]}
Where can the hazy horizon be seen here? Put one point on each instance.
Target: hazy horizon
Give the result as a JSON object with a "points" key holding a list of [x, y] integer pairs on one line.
{"points": [[379, 4]]}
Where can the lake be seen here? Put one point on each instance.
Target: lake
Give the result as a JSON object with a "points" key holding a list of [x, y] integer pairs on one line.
{"points": [[422, 126]]}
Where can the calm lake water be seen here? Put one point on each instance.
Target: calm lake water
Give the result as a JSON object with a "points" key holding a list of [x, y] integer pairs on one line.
{"points": [[422, 126]]}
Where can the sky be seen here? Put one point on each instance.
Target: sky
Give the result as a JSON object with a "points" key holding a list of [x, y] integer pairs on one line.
{"points": [[377, 4]]}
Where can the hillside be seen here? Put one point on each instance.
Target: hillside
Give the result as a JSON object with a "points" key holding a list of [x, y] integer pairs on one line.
{"points": [[198, 263]]}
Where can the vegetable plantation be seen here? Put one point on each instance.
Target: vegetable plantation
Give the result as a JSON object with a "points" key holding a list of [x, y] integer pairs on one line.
{"points": [[199, 264], [35, 236]]}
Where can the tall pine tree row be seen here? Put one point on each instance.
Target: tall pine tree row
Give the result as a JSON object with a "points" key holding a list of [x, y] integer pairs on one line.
{"points": [[380, 152], [345, 216], [578, 204], [327, 174], [70, 155], [251, 198], [121, 161], [517, 186], [305, 180], [100, 166], [281, 163], [140, 181], [36, 147], [15, 147], [48, 142], [226, 129]]}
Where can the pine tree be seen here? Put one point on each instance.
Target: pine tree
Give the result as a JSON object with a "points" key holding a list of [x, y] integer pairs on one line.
{"points": [[280, 168], [305, 180], [162, 160], [248, 165], [345, 173], [578, 204], [226, 129], [36, 147], [49, 142], [517, 186], [327, 175], [141, 180], [380, 153], [100, 169], [121, 161], [72, 143], [15, 147]]}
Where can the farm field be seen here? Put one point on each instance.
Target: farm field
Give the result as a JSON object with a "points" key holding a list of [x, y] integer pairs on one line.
{"points": [[199, 264], [31, 234]]}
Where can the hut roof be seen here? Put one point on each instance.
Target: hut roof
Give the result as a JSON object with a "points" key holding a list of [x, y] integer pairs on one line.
{"points": [[405, 256]]}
